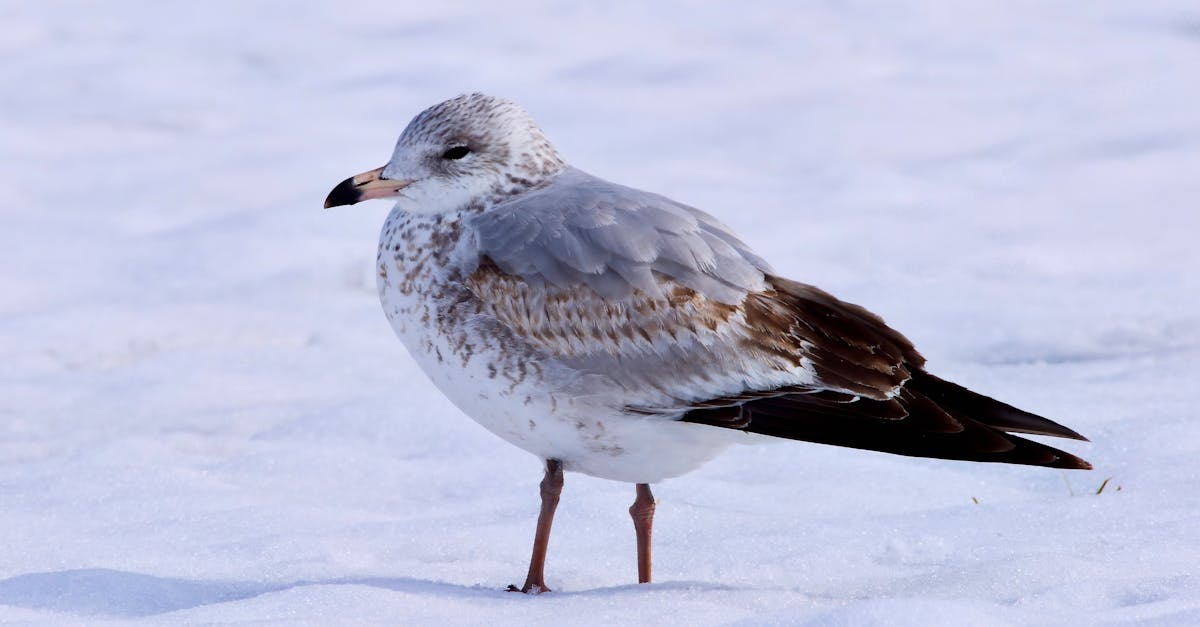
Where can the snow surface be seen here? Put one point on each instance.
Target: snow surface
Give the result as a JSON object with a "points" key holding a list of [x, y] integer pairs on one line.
{"points": [[204, 416]]}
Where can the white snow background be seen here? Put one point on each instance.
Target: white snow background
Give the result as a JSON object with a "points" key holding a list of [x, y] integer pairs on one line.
{"points": [[205, 418]]}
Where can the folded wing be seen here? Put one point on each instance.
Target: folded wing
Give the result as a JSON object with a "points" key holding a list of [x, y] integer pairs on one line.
{"points": [[680, 317]]}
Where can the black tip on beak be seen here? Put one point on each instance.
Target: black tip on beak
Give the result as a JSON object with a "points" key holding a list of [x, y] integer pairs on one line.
{"points": [[346, 193]]}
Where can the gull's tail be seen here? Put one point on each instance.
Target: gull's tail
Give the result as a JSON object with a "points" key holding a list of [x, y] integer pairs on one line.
{"points": [[929, 418]]}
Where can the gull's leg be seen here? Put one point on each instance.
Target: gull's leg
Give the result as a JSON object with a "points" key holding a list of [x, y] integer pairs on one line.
{"points": [[642, 512], [551, 488]]}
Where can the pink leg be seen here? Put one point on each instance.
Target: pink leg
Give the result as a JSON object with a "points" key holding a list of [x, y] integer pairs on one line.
{"points": [[642, 512], [551, 488]]}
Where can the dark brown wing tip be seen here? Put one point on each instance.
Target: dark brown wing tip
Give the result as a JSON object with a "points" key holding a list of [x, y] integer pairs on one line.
{"points": [[1058, 431], [1070, 462], [985, 409]]}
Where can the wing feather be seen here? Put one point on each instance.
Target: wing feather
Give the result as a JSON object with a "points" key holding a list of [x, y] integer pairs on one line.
{"points": [[581, 229]]}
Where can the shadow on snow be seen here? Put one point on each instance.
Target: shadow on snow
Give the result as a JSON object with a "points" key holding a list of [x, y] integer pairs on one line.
{"points": [[102, 591]]}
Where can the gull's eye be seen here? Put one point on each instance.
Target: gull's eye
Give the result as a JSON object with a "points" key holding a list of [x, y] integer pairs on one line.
{"points": [[456, 153]]}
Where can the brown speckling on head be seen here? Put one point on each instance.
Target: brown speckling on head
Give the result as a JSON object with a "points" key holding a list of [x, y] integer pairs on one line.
{"points": [[508, 153]]}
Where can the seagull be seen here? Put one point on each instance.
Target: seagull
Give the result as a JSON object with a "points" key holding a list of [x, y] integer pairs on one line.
{"points": [[621, 334]]}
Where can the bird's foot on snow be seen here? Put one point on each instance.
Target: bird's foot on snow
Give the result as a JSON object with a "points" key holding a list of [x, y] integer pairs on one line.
{"points": [[530, 588]]}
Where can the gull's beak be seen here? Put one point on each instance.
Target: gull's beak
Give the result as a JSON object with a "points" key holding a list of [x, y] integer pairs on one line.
{"points": [[364, 186]]}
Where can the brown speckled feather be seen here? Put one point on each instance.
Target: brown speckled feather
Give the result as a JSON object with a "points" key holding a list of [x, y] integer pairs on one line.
{"points": [[850, 348]]}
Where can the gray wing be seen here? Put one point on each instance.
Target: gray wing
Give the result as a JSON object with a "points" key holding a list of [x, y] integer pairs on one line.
{"points": [[695, 310], [584, 230]]}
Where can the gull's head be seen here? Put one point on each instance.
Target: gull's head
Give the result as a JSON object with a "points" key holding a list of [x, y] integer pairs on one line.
{"points": [[470, 150]]}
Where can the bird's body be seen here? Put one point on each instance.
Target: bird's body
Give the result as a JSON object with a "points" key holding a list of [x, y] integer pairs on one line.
{"points": [[435, 291], [618, 333]]}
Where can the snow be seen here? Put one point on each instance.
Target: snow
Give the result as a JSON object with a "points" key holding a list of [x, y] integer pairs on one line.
{"points": [[204, 416]]}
